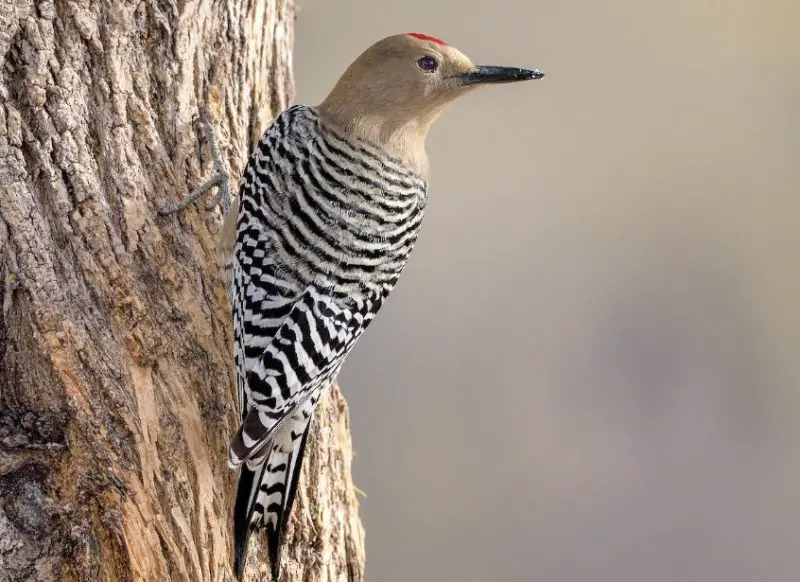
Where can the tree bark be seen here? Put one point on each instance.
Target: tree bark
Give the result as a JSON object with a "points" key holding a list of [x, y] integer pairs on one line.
{"points": [[116, 379]]}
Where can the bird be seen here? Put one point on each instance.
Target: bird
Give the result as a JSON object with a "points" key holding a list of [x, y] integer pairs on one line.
{"points": [[329, 209]]}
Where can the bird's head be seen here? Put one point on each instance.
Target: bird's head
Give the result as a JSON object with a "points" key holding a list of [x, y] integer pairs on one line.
{"points": [[392, 93]]}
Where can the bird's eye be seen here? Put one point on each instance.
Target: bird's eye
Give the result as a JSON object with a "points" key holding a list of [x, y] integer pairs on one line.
{"points": [[427, 64]]}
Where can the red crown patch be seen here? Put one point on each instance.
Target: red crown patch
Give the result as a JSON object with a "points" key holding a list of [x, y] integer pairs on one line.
{"points": [[421, 36]]}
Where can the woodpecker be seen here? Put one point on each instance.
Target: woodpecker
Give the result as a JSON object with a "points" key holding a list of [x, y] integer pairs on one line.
{"points": [[330, 205]]}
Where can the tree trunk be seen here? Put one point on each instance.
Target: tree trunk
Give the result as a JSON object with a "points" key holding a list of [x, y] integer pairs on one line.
{"points": [[116, 376]]}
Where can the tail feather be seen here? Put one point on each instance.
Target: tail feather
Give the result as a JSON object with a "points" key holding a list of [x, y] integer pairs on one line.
{"points": [[265, 497], [294, 476], [242, 513]]}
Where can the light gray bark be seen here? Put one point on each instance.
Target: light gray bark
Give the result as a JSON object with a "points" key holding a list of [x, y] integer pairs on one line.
{"points": [[116, 384]]}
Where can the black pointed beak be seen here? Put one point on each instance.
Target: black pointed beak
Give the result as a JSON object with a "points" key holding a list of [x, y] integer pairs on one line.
{"points": [[493, 74]]}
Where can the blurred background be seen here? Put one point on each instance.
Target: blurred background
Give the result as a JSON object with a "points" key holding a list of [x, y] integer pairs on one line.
{"points": [[590, 370]]}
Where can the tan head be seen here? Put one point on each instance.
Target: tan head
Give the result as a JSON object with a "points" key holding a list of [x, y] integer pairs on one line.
{"points": [[393, 92]]}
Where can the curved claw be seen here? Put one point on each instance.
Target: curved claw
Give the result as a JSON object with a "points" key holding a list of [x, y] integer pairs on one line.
{"points": [[220, 178]]}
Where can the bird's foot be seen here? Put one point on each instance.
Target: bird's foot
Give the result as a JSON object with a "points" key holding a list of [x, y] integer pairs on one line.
{"points": [[219, 178]]}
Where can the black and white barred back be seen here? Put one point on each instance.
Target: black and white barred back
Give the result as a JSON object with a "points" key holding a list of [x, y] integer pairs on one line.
{"points": [[325, 226]]}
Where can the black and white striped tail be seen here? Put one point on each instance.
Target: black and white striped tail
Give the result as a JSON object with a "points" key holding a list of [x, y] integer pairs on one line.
{"points": [[264, 498]]}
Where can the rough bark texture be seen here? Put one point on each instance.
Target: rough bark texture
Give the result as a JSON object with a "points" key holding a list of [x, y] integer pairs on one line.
{"points": [[116, 384]]}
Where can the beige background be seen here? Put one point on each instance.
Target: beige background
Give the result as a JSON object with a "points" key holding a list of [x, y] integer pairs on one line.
{"points": [[590, 369]]}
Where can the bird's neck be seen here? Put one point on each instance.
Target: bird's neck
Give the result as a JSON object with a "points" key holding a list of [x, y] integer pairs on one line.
{"points": [[403, 139]]}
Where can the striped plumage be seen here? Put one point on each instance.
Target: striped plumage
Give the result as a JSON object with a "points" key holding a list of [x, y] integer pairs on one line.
{"points": [[325, 226], [330, 206]]}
